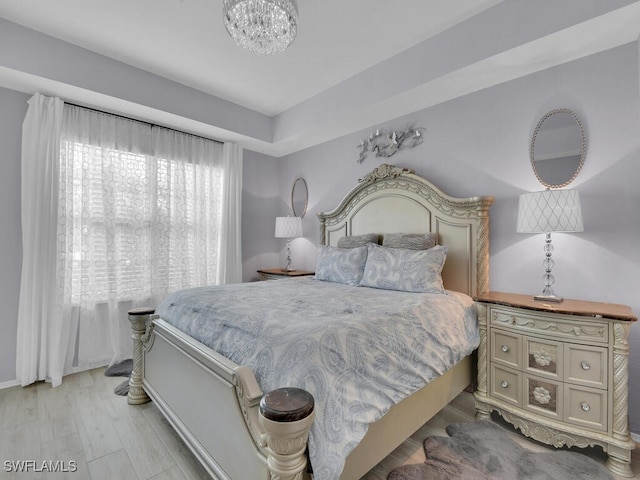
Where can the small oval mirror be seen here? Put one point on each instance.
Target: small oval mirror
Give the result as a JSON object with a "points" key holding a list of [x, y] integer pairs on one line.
{"points": [[299, 197], [558, 148]]}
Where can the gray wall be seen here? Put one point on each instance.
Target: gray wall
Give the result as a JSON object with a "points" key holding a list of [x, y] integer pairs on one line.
{"points": [[13, 107], [261, 204], [478, 145]]}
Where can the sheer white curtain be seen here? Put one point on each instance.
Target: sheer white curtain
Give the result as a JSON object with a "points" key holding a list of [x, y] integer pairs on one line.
{"points": [[230, 251], [142, 211], [43, 334]]}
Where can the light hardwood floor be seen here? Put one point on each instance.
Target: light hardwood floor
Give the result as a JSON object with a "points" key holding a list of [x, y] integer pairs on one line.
{"points": [[84, 421]]}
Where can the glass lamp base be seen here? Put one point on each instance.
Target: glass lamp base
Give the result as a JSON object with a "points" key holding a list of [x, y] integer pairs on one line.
{"points": [[548, 295], [288, 267], [548, 298]]}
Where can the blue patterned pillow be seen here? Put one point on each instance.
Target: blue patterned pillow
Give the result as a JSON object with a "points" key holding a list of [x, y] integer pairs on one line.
{"points": [[341, 265], [404, 269]]}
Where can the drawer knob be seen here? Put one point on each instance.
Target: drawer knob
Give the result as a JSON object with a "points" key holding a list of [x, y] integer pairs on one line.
{"points": [[504, 384], [585, 406], [504, 348], [585, 365]]}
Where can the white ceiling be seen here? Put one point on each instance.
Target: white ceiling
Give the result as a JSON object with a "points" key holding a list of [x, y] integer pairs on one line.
{"points": [[355, 63], [185, 40]]}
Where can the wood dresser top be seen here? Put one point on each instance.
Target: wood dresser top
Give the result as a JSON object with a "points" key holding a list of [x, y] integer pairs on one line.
{"points": [[288, 273], [567, 306]]}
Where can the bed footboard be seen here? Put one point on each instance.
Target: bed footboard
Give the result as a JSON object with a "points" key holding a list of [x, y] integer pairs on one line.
{"points": [[215, 405]]}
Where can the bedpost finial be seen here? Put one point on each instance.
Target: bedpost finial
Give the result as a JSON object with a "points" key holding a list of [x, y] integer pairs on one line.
{"points": [[286, 414], [385, 170]]}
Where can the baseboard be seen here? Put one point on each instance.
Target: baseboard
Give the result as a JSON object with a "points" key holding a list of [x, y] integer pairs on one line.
{"points": [[9, 384], [635, 437]]}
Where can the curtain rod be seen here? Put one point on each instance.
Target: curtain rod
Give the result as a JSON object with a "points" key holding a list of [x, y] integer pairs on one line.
{"points": [[142, 121]]}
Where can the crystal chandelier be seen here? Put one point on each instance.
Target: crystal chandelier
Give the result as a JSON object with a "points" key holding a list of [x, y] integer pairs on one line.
{"points": [[263, 27]]}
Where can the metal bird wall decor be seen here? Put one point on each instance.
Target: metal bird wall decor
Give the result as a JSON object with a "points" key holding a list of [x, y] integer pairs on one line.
{"points": [[385, 144]]}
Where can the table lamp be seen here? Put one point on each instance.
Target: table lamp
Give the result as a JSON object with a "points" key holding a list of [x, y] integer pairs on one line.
{"points": [[546, 212], [288, 227]]}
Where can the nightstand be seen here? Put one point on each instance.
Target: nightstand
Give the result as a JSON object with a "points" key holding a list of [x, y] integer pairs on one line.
{"points": [[279, 273], [557, 371]]}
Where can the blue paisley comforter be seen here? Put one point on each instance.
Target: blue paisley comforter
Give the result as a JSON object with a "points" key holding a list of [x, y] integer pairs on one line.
{"points": [[357, 350]]}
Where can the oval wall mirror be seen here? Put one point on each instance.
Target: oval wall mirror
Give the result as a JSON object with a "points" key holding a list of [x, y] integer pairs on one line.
{"points": [[299, 197], [558, 148]]}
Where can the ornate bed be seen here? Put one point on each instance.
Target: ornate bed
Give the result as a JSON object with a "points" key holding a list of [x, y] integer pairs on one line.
{"points": [[214, 404]]}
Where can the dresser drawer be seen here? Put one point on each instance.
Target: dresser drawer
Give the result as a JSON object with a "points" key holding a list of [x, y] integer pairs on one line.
{"points": [[543, 396], [586, 407], [586, 365], [506, 385], [506, 348], [543, 357], [564, 327]]}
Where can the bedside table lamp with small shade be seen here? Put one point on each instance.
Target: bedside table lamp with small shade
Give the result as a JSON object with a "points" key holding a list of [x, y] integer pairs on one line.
{"points": [[288, 227], [546, 212]]}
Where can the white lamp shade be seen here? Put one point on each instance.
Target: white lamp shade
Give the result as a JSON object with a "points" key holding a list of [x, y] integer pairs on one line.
{"points": [[550, 211], [288, 227]]}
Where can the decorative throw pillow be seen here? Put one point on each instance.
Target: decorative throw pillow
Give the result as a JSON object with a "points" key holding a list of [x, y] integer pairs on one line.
{"points": [[341, 265], [404, 269], [352, 241], [413, 241]]}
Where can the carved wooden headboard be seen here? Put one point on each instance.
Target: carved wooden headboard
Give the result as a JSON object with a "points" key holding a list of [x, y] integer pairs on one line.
{"points": [[392, 200]]}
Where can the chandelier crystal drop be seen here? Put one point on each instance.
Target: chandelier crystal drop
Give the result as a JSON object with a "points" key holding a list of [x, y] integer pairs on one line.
{"points": [[263, 27]]}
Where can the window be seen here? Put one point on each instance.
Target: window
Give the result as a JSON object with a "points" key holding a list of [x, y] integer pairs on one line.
{"points": [[140, 214], [138, 225], [116, 213]]}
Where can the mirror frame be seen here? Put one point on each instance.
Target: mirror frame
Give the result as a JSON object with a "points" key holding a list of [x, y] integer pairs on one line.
{"points": [[302, 183], [583, 147]]}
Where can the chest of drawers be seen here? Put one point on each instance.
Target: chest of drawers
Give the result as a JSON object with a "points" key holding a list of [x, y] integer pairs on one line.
{"points": [[558, 372]]}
